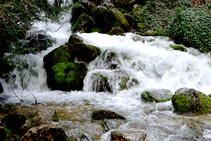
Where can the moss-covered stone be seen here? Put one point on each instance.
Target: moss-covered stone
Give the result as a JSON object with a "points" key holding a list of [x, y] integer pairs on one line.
{"points": [[66, 65], [105, 114], [190, 101], [150, 33], [116, 31], [157, 95], [95, 30], [140, 27], [83, 24], [179, 47], [107, 18], [69, 76]]}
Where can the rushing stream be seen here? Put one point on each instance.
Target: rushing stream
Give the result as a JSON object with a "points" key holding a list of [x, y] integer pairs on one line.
{"points": [[153, 64]]}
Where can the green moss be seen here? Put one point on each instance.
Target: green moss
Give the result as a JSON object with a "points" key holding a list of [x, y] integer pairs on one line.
{"points": [[151, 33], [178, 47], [147, 97], [69, 76], [116, 31]]}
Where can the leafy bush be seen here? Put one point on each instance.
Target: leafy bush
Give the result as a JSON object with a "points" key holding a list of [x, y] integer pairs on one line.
{"points": [[192, 27]]}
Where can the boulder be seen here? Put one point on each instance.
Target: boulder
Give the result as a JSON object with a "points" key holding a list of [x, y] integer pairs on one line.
{"points": [[190, 101], [83, 24], [157, 95], [128, 135], [66, 66], [105, 114], [179, 47], [116, 31], [48, 131], [106, 18]]}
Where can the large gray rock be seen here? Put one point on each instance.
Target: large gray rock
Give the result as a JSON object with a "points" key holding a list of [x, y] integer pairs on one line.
{"points": [[157, 95], [190, 101]]}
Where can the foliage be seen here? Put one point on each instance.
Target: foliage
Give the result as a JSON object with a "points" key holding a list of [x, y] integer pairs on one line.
{"points": [[192, 27], [8, 132]]}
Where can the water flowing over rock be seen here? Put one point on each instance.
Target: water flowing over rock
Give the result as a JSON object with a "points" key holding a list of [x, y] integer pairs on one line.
{"points": [[190, 101]]}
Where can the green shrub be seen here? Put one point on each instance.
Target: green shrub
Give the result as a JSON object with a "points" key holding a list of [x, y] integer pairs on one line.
{"points": [[192, 27]]}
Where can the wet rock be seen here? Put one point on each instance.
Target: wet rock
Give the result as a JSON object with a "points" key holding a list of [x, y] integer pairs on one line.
{"points": [[116, 31], [190, 101], [48, 131], [128, 135], [100, 83], [66, 66], [105, 114], [127, 82], [110, 124], [42, 116], [83, 24], [14, 122], [179, 47], [150, 33], [157, 95]]}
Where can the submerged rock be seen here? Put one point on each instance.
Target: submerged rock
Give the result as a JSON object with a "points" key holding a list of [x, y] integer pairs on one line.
{"points": [[179, 47], [66, 66], [105, 114], [190, 101], [157, 95], [128, 135]]}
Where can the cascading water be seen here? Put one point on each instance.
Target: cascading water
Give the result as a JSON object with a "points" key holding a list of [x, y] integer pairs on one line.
{"points": [[146, 63]]}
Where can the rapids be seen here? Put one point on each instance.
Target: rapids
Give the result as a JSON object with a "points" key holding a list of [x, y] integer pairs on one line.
{"points": [[153, 63]]}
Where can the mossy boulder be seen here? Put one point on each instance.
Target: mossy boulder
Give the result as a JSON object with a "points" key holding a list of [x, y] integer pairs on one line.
{"points": [[105, 114], [116, 31], [157, 95], [190, 101], [107, 18], [83, 24], [150, 33], [127, 82], [179, 47], [66, 66], [128, 135]]}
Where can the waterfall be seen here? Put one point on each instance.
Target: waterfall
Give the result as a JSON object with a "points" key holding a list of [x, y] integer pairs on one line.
{"points": [[146, 63]]}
